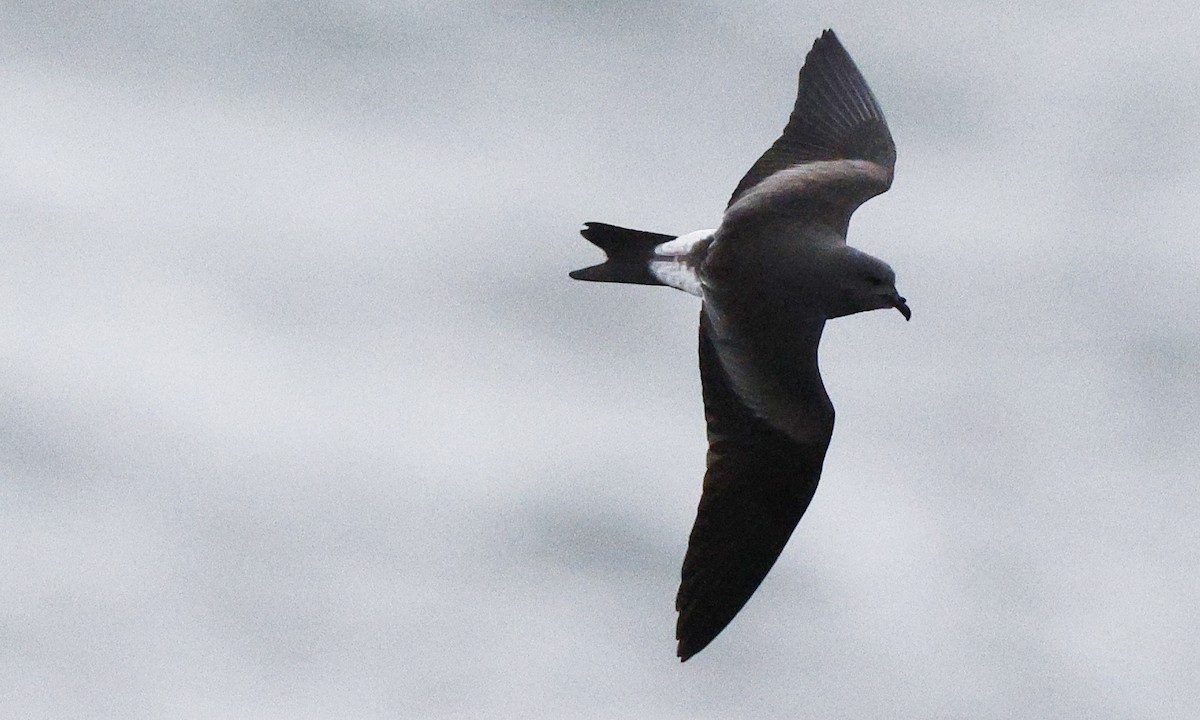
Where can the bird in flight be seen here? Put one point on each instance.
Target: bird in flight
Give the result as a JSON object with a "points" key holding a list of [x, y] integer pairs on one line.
{"points": [[769, 276]]}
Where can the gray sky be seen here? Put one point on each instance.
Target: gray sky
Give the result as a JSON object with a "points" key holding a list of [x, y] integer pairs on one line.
{"points": [[302, 418]]}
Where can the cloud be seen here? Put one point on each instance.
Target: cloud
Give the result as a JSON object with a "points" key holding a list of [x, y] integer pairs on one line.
{"points": [[302, 416]]}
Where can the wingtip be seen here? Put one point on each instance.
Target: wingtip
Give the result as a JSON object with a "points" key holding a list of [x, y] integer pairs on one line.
{"points": [[689, 647], [691, 640]]}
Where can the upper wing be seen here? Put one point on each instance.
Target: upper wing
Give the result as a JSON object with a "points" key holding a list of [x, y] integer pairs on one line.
{"points": [[835, 118], [758, 484]]}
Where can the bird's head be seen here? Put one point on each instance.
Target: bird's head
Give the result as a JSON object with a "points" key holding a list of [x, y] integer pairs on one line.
{"points": [[868, 283]]}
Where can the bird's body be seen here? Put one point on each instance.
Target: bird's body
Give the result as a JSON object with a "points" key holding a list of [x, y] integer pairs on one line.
{"points": [[769, 276]]}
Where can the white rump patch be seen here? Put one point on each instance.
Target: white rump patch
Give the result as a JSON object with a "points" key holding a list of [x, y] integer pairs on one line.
{"points": [[674, 265]]}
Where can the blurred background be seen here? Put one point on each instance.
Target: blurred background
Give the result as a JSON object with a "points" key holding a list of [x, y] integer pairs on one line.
{"points": [[301, 417]]}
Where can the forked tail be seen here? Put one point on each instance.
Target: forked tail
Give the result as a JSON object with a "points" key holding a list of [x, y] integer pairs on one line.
{"points": [[629, 254]]}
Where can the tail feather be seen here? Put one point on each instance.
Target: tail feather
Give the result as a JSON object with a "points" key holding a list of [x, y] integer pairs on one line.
{"points": [[629, 253]]}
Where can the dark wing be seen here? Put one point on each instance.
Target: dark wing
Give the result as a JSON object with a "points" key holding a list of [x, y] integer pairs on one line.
{"points": [[758, 484], [835, 118]]}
